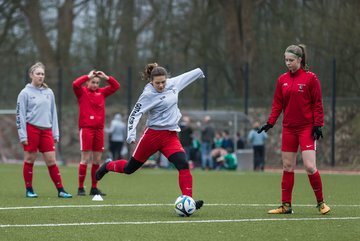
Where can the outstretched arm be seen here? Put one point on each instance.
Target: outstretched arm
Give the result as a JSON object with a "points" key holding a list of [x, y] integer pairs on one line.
{"points": [[183, 80]]}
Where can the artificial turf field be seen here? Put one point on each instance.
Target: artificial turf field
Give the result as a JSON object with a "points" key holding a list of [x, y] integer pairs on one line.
{"points": [[140, 207]]}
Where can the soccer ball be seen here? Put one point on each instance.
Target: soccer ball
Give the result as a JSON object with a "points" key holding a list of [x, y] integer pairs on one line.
{"points": [[184, 206]]}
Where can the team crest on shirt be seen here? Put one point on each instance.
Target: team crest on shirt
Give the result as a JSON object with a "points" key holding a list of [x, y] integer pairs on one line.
{"points": [[301, 87], [285, 85]]}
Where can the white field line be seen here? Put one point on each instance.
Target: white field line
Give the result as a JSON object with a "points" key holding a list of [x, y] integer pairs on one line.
{"points": [[175, 222], [163, 204]]}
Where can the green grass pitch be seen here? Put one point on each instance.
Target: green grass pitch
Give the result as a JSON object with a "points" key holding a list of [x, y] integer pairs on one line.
{"points": [[140, 207]]}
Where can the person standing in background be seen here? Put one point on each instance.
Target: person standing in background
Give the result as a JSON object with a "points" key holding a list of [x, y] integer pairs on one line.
{"points": [[298, 96], [91, 100], [207, 138], [185, 136], [117, 135], [38, 129], [240, 142], [227, 142], [257, 141]]}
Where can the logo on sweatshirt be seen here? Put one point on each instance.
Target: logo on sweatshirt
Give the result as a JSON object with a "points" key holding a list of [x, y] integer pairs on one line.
{"points": [[18, 122], [301, 87], [136, 109]]}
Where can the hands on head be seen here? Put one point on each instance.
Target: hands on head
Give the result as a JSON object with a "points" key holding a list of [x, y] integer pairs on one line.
{"points": [[98, 73]]}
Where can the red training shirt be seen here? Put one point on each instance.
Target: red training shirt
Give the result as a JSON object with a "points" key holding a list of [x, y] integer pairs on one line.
{"points": [[92, 103], [299, 96]]}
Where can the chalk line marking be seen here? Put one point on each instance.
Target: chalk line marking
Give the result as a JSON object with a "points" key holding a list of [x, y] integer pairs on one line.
{"points": [[175, 222], [166, 204]]}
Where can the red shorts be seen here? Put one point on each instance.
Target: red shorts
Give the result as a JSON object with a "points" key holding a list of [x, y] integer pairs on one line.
{"points": [[167, 142], [91, 139], [293, 137], [39, 139]]}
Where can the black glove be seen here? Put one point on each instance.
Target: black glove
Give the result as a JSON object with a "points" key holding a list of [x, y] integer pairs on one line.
{"points": [[317, 132], [265, 128]]}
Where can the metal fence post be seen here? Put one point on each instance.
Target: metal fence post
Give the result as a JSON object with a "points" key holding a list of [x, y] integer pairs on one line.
{"points": [[206, 89], [333, 109]]}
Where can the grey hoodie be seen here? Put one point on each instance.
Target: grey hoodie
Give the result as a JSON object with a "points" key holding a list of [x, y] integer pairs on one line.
{"points": [[117, 129], [163, 110], [36, 106]]}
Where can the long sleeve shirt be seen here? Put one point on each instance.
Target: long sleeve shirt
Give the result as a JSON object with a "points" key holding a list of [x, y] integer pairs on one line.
{"points": [[36, 106], [162, 107], [92, 103], [257, 139], [298, 95], [117, 129]]}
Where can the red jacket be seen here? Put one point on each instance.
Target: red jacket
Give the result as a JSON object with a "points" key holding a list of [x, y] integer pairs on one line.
{"points": [[92, 103], [298, 96]]}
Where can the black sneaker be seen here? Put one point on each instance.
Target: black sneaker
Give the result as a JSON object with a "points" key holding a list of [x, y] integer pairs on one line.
{"points": [[81, 192], [199, 204], [96, 191], [100, 173]]}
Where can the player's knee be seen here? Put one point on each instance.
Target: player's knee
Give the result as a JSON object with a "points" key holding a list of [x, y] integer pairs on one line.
{"points": [[179, 160], [128, 170], [310, 170], [132, 166]]}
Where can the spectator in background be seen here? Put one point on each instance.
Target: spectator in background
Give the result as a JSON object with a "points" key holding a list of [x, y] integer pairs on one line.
{"points": [[227, 161], [117, 135], [227, 142], [195, 152], [185, 136], [240, 142], [91, 101], [207, 137], [218, 140], [38, 129], [257, 141]]}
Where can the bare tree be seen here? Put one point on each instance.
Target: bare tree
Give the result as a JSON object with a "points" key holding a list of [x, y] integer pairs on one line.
{"points": [[53, 57], [239, 36]]}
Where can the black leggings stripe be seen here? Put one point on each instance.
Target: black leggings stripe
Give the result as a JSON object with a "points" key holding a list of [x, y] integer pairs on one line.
{"points": [[132, 166], [179, 160]]}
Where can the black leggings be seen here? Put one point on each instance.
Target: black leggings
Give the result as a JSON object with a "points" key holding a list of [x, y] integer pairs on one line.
{"points": [[178, 159]]}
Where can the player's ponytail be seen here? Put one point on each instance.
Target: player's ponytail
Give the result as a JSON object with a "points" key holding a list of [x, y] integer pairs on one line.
{"points": [[152, 70], [146, 75], [304, 64]]}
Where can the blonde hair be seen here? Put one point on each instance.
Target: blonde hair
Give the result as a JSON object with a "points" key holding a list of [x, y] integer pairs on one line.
{"points": [[35, 66], [300, 52]]}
